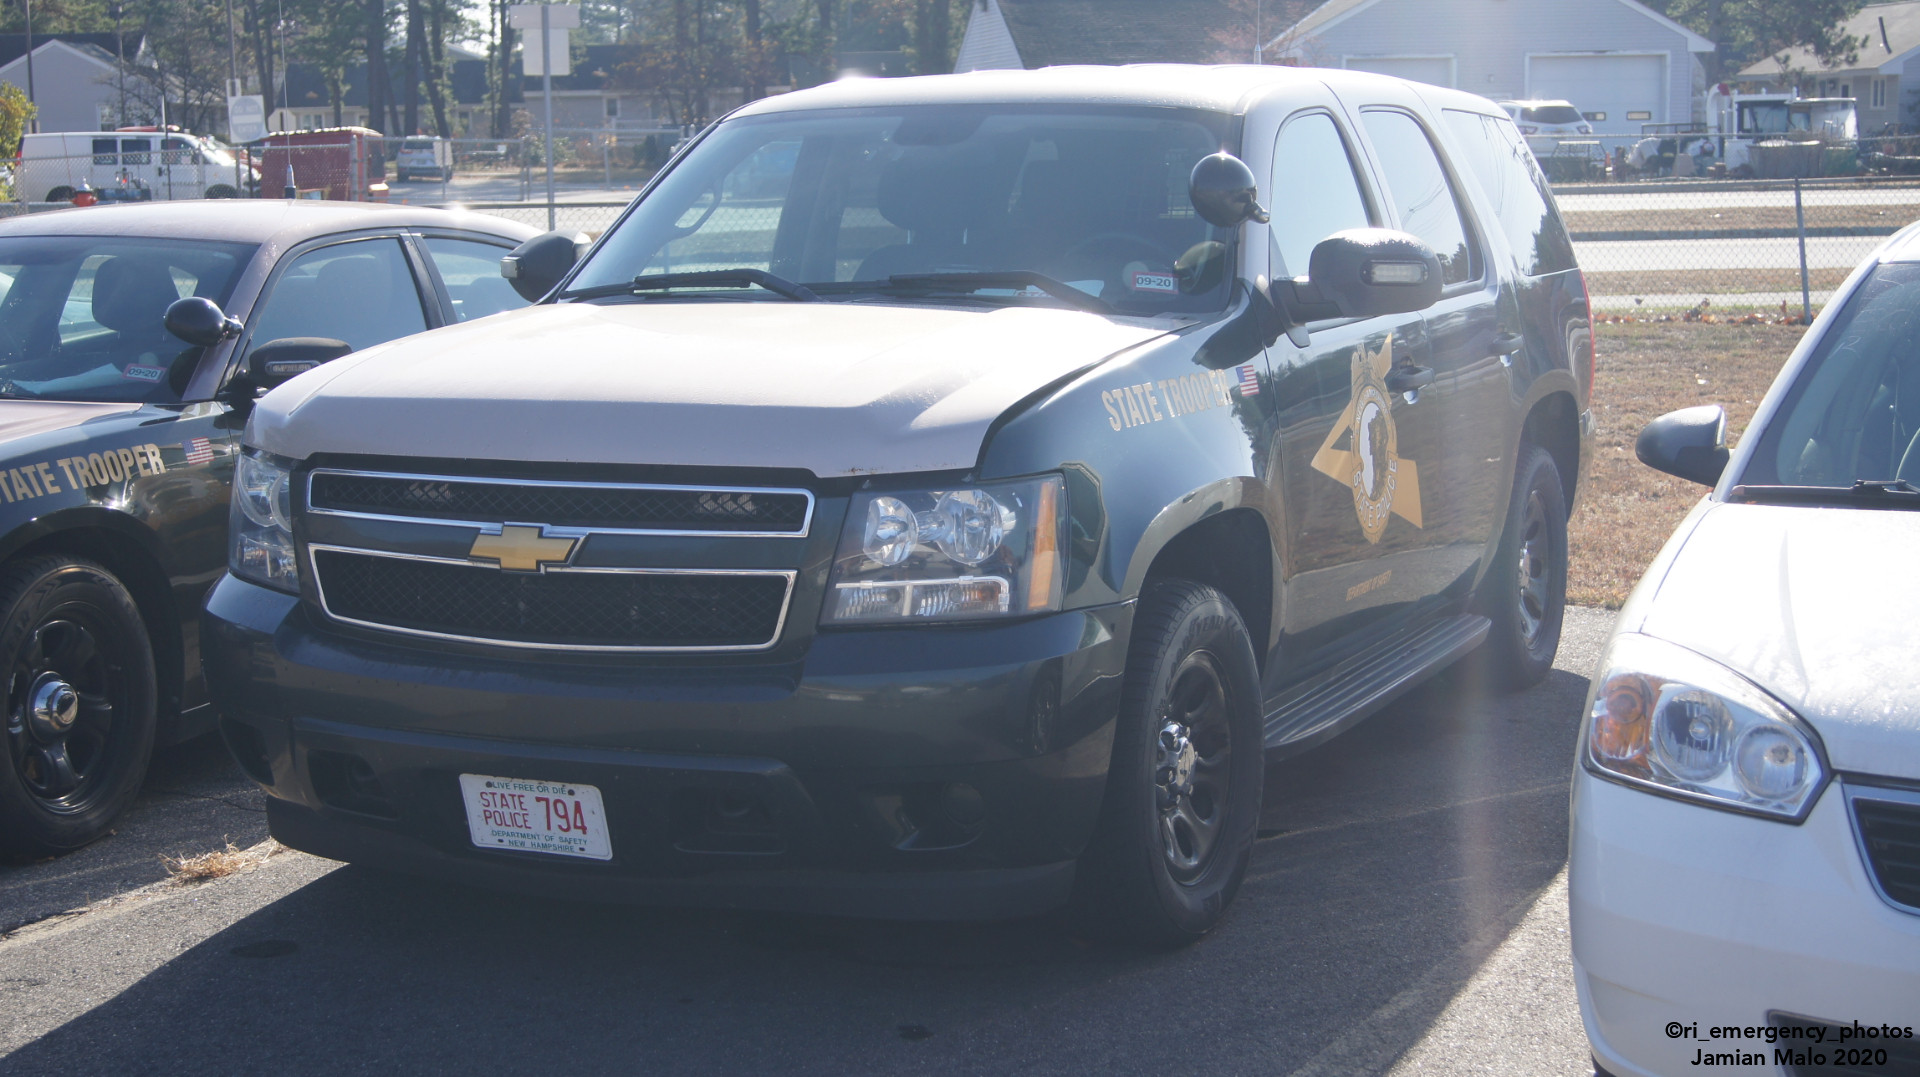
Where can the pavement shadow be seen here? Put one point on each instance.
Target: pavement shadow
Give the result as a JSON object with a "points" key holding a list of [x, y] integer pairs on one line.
{"points": [[1397, 854]]}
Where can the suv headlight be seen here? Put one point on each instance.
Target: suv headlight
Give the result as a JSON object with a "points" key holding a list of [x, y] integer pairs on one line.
{"points": [[1666, 719], [948, 554], [260, 523]]}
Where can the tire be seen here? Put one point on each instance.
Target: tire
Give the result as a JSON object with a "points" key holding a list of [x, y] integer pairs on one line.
{"points": [[62, 193], [74, 759], [399, 175], [1176, 826], [222, 190], [1525, 590]]}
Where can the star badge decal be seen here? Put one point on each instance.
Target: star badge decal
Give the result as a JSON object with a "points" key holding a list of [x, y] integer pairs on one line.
{"points": [[1370, 463]]}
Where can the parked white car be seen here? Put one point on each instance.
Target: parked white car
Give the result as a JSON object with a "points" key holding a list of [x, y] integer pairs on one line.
{"points": [[1545, 123], [422, 157], [163, 164], [1745, 862]]}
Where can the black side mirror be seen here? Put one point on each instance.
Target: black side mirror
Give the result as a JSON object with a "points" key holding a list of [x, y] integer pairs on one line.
{"points": [[1690, 443], [1367, 272], [282, 360], [534, 267], [200, 321], [1223, 191]]}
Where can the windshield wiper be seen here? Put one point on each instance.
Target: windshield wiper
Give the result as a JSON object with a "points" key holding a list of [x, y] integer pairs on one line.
{"points": [[717, 278], [968, 283], [1874, 493]]}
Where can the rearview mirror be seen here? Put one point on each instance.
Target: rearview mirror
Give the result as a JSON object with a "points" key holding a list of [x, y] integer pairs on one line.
{"points": [[282, 360], [197, 320], [1223, 191], [534, 267], [1368, 272], [1690, 443]]}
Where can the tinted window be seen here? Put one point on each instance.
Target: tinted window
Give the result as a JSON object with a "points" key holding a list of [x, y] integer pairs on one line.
{"points": [[471, 271], [360, 292], [1420, 189], [1095, 197], [1522, 204], [105, 151], [1314, 193], [83, 317], [1551, 114], [134, 151]]}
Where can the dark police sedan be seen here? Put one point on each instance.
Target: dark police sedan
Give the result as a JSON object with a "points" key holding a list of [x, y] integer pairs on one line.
{"points": [[133, 340]]}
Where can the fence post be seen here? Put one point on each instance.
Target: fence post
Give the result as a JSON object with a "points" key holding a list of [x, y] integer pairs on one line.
{"points": [[1800, 224]]}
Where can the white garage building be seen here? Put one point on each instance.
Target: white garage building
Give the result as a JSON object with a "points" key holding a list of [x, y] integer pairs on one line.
{"points": [[1618, 61]]}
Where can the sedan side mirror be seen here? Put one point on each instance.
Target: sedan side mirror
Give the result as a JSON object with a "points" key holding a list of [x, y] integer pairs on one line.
{"points": [[1690, 443], [1368, 272], [282, 360], [198, 320], [534, 267]]}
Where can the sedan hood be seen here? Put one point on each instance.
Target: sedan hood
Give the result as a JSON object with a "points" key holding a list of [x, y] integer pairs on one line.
{"points": [[836, 388], [1817, 606]]}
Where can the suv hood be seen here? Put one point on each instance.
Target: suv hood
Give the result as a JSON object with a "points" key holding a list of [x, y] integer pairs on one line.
{"points": [[836, 388], [1813, 605]]}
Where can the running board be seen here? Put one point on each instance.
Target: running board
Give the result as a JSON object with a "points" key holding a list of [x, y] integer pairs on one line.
{"points": [[1322, 708]]}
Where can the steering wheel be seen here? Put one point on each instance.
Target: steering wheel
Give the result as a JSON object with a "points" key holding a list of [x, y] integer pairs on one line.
{"points": [[713, 191]]}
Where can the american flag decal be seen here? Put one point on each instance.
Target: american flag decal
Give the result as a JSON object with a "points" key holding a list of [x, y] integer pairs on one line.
{"points": [[1249, 381], [199, 450]]}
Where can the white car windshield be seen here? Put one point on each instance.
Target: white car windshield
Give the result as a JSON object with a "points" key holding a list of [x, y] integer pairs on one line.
{"points": [[1094, 198]]}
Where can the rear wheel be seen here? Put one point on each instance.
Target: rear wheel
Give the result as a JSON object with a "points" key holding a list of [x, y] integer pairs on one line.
{"points": [[1525, 591], [62, 193], [1183, 793], [79, 708], [222, 190]]}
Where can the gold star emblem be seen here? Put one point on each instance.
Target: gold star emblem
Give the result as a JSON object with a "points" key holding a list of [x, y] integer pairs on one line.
{"points": [[1382, 482], [522, 549]]}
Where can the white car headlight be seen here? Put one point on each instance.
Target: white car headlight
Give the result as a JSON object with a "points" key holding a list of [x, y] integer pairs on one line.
{"points": [[1669, 720], [260, 524], [955, 553]]}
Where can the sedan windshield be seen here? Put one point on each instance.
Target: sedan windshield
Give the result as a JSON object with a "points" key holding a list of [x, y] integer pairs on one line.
{"points": [[83, 317], [1853, 413], [863, 203]]}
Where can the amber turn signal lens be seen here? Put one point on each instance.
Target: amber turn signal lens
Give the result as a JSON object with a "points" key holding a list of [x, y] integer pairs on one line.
{"points": [[1622, 714]]}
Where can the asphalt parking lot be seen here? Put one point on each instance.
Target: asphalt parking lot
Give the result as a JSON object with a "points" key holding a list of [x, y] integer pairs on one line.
{"points": [[1405, 914]]}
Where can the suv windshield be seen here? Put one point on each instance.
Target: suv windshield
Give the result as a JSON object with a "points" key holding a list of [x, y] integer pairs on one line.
{"points": [[83, 317], [1853, 413], [1095, 198], [1550, 114]]}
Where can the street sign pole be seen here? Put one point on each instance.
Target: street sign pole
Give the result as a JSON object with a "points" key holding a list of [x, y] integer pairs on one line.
{"points": [[546, 94]]}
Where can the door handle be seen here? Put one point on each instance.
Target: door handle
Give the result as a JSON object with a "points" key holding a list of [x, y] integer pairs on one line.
{"points": [[1409, 379], [1506, 344]]}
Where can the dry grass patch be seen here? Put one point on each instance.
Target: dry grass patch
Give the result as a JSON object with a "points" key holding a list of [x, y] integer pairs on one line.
{"points": [[1645, 370], [220, 863], [1728, 283]]}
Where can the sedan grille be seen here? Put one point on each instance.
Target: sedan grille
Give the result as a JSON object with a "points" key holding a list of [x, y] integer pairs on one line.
{"points": [[1890, 833], [599, 506], [568, 609]]}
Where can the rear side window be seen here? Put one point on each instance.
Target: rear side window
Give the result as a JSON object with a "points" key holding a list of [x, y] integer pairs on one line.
{"points": [[1413, 173], [1314, 191], [1498, 157]]}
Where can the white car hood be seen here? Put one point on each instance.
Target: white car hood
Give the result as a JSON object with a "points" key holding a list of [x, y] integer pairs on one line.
{"points": [[836, 388], [1819, 606]]}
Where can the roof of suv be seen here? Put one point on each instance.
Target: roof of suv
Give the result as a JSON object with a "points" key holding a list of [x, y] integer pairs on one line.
{"points": [[246, 220]]}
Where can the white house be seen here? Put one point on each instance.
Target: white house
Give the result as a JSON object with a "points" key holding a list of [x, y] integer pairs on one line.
{"points": [[1618, 61], [76, 82], [1045, 33]]}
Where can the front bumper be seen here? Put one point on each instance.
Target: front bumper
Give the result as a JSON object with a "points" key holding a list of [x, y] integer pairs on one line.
{"points": [[922, 772], [1697, 918]]}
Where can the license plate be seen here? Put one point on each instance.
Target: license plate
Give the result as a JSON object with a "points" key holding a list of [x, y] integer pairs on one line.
{"points": [[562, 818]]}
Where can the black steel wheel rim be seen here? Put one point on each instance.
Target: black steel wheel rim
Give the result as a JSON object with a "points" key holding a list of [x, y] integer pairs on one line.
{"points": [[1192, 749], [65, 696], [1535, 567]]}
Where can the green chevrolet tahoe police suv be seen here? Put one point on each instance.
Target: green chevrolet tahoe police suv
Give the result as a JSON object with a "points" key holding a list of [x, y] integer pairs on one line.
{"points": [[933, 498]]}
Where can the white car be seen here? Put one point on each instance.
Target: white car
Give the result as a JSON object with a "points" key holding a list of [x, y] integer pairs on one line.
{"points": [[1545, 123], [1745, 861], [423, 157]]}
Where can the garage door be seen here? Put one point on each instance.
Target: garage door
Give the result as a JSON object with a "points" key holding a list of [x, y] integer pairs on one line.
{"points": [[1623, 87], [1435, 70]]}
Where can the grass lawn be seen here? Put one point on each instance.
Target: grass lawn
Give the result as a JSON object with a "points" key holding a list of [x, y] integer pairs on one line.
{"points": [[1646, 369]]}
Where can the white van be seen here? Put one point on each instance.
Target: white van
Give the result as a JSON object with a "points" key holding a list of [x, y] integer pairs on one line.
{"points": [[166, 164]]}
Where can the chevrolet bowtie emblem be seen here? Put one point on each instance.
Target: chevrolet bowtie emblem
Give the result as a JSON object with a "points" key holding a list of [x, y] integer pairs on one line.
{"points": [[523, 549]]}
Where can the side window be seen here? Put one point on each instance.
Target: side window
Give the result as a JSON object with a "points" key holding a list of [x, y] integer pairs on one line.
{"points": [[1413, 173], [136, 151], [1501, 162], [105, 151], [360, 292], [1314, 191], [471, 271]]}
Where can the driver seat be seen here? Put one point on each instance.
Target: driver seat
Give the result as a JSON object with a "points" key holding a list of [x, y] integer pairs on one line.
{"points": [[131, 295]]}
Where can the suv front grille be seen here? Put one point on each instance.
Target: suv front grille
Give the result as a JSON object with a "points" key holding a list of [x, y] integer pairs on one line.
{"points": [[1890, 834], [599, 506], [566, 609]]}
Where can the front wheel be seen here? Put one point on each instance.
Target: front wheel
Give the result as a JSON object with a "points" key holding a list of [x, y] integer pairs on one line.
{"points": [[1525, 590], [80, 704], [1183, 794]]}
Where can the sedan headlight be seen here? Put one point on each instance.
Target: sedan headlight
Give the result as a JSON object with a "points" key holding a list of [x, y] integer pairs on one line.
{"points": [[1667, 719], [260, 523], [948, 554]]}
